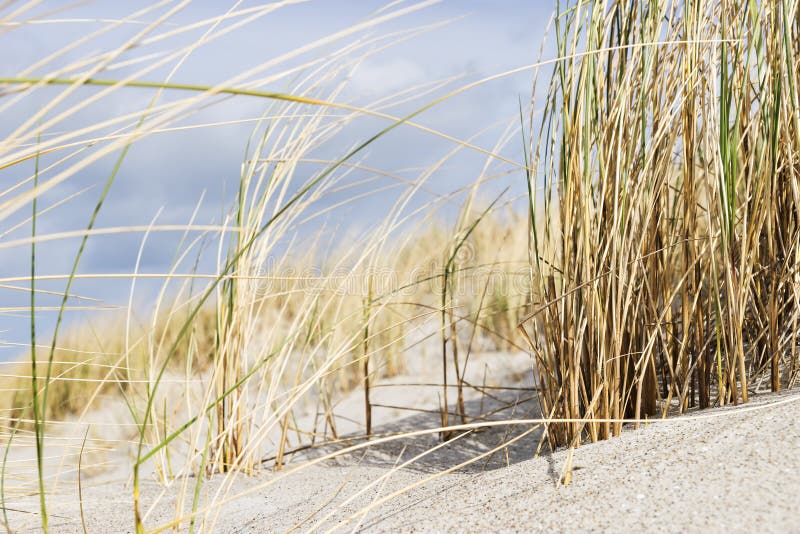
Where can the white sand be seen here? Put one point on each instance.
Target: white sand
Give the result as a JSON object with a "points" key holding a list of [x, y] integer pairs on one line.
{"points": [[732, 469]]}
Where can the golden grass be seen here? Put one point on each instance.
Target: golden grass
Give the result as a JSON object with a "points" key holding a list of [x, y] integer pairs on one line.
{"points": [[93, 362], [670, 277], [654, 269]]}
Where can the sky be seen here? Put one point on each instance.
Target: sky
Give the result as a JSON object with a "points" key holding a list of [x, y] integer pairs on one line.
{"points": [[164, 176]]}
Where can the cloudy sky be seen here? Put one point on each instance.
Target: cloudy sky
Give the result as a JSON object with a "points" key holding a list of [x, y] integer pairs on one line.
{"points": [[454, 42]]}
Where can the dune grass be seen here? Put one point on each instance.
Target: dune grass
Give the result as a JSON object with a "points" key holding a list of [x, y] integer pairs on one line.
{"points": [[216, 374], [653, 269], [669, 149]]}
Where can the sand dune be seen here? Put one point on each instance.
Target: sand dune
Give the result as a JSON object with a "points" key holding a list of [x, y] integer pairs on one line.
{"points": [[732, 469]]}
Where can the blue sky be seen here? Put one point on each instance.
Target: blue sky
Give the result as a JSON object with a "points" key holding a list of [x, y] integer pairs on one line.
{"points": [[168, 173]]}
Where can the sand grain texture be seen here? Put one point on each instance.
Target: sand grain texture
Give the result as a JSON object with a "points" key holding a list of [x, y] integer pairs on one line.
{"points": [[733, 469]]}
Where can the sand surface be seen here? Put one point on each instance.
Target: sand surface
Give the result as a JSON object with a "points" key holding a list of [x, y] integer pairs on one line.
{"points": [[732, 469]]}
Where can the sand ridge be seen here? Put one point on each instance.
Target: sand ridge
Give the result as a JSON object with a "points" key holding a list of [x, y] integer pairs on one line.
{"points": [[734, 469]]}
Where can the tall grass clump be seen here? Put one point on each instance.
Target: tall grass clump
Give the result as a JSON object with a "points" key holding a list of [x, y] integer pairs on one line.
{"points": [[667, 273]]}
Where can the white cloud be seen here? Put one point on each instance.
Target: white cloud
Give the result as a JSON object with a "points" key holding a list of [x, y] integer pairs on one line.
{"points": [[376, 77]]}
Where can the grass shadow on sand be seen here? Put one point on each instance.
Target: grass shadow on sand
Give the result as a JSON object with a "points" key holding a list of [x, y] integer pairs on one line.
{"points": [[462, 448]]}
